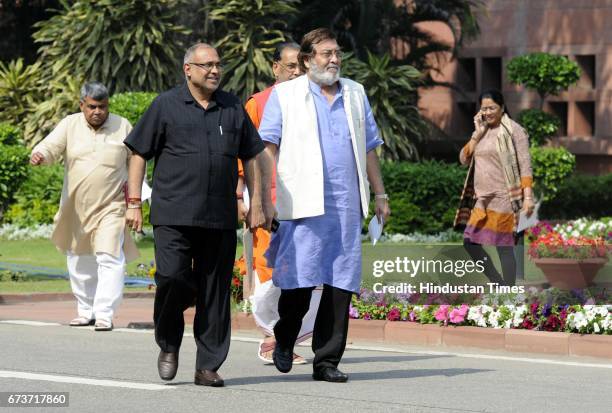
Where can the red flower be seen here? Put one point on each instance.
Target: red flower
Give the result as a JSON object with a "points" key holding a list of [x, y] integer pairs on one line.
{"points": [[527, 324], [394, 314]]}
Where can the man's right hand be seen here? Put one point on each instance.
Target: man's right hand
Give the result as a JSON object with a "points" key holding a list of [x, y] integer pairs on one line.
{"points": [[269, 213], [133, 219], [37, 158], [255, 217], [242, 211]]}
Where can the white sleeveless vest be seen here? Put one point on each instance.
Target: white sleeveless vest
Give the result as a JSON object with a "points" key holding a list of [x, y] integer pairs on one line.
{"points": [[299, 178]]}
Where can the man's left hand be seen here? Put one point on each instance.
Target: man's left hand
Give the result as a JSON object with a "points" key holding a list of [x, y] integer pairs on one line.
{"points": [[382, 210]]}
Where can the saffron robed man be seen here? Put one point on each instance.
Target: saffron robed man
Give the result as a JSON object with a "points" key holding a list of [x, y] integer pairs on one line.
{"points": [[321, 131], [195, 133], [90, 224], [264, 300]]}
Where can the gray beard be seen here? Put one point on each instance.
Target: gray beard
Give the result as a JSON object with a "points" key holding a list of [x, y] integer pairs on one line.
{"points": [[323, 77]]}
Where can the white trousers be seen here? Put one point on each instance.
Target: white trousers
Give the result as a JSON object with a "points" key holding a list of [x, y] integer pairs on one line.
{"points": [[97, 283], [264, 305]]}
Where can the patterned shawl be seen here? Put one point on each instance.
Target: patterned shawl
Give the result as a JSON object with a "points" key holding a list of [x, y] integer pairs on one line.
{"points": [[512, 175]]}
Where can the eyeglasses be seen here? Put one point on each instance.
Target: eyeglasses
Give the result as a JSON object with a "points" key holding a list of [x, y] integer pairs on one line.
{"points": [[208, 66], [291, 67], [327, 54]]}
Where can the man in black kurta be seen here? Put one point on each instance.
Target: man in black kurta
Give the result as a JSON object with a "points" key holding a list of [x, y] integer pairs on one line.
{"points": [[195, 133]]}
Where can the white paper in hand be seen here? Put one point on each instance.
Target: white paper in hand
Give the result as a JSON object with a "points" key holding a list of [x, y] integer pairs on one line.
{"points": [[375, 229], [146, 191], [528, 221]]}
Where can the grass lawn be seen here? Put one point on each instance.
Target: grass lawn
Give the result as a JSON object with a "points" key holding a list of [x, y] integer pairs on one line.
{"points": [[44, 285], [42, 253], [453, 251]]}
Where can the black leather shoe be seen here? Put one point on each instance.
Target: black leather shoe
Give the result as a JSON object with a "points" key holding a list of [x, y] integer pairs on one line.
{"points": [[330, 374], [167, 365], [208, 378], [283, 359]]}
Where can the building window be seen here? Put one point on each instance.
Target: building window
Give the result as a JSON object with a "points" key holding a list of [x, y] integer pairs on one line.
{"points": [[584, 119], [560, 109], [491, 73], [466, 74], [587, 67]]}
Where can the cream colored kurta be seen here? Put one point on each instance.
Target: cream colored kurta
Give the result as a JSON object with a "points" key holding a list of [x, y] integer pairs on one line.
{"points": [[91, 216]]}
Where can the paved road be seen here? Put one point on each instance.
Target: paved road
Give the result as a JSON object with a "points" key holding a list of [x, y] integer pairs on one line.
{"points": [[116, 372]]}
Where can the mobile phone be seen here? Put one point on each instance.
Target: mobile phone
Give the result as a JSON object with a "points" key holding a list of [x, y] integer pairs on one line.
{"points": [[275, 225]]}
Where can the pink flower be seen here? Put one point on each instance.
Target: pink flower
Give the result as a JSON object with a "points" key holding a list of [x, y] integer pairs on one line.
{"points": [[394, 314], [442, 313], [412, 316], [457, 315], [353, 312]]}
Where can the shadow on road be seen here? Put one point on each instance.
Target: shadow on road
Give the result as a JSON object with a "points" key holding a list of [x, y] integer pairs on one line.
{"points": [[364, 376]]}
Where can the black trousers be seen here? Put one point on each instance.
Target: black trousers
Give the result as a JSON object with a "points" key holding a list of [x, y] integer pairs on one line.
{"points": [[331, 324], [194, 264], [507, 258]]}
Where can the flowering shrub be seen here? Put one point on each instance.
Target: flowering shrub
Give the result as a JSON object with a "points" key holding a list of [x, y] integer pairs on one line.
{"points": [[535, 310], [144, 270], [586, 228], [236, 285], [15, 232], [554, 245]]}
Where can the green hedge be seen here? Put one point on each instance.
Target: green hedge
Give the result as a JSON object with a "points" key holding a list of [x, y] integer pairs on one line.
{"points": [[37, 200], [423, 196], [9, 134], [581, 196], [13, 171], [539, 125], [551, 167], [131, 105]]}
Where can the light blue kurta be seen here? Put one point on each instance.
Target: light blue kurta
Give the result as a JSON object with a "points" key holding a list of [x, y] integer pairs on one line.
{"points": [[325, 249]]}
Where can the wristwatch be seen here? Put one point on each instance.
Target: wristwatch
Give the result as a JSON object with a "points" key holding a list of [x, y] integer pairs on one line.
{"points": [[381, 196]]}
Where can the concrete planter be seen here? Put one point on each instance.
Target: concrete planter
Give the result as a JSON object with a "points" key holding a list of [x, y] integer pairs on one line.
{"points": [[413, 333], [567, 273], [490, 338], [366, 330], [432, 335]]}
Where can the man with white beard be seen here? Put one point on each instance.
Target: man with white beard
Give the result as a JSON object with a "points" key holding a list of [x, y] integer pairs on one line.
{"points": [[321, 130]]}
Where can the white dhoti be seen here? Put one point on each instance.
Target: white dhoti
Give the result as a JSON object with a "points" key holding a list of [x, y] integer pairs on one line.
{"points": [[97, 283], [264, 305]]}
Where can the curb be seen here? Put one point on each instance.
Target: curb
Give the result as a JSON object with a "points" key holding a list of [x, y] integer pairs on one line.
{"points": [[39, 297], [511, 340]]}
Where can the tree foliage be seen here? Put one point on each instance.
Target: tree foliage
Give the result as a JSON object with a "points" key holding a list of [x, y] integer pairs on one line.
{"points": [[250, 29], [551, 166], [18, 87], [391, 90], [540, 126], [375, 25], [126, 44], [546, 73]]}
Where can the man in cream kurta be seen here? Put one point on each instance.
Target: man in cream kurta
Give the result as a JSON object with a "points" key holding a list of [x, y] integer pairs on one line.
{"points": [[90, 224]]}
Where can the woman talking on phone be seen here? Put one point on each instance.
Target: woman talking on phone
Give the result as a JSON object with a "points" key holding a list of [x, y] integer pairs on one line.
{"points": [[497, 188]]}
